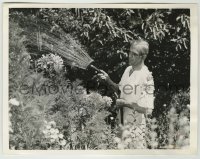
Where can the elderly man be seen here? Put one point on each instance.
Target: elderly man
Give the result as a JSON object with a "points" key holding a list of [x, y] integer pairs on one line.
{"points": [[136, 87]]}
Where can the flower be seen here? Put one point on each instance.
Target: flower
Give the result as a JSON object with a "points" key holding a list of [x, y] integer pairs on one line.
{"points": [[45, 132], [56, 131], [60, 136], [52, 123], [154, 127], [125, 133], [14, 101], [127, 140], [107, 100], [63, 142], [52, 140], [50, 59], [121, 146], [172, 111], [48, 127], [111, 118], [153, 120], [183, 121], [154, 144], [153, 134], [117, 140], [187, 129], [54, 136]]}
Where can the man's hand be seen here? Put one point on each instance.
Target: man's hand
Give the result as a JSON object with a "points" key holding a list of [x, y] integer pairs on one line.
{"points": [[121, 103], [103, 76]]}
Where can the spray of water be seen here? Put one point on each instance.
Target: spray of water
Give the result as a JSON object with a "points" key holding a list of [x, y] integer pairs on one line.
{"points": [[58, 42]]}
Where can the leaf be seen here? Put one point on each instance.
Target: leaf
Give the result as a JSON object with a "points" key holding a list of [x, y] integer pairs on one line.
{"points": [[93, 20], [125, 38], [156, 26], [142, 26], [178, 18], [188, 23], [100, 42], [162, 33], [181, 18], [107, 25], [108, 18], [154, 34], [131, 11], [184, 43]]}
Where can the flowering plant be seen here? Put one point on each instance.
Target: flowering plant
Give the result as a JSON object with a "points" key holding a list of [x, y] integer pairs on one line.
{"points": [[50, 62]]}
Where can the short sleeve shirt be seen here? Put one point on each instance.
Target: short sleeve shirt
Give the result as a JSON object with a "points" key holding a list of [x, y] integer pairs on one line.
{"points": [[137, 88]]}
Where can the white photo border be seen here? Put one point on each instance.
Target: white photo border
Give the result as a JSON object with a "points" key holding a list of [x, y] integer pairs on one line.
{"points": [[193, 80]]}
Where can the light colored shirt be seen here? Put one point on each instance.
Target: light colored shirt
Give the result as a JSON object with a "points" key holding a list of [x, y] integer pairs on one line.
{"points": [[137, 88]]}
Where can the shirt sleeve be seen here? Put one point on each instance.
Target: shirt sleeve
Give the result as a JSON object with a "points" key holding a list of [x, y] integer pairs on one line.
{"points": [[147, 96], [122, 79]]}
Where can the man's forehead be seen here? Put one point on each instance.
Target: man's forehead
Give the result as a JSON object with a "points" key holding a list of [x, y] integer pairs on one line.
{"points": [[134, 50]]}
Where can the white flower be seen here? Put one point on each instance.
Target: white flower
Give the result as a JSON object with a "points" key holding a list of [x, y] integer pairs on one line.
{"points": [[172, 110], [154, 127], [52, 140], [111, 118], [153, 120], [125, 133], [52, 123], [48, 127], [52, 131], [63, 142], [54, 136], [183, 121], [127, 140], [107, 100], [121, 146], [60, 136], [117, 140], [48, 135], [14, 101], [56, 60], [153, 134], [154, 144], [56, 131], [45, 132], [187, 129]]}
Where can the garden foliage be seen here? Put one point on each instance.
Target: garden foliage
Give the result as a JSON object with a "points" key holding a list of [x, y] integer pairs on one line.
{"points": [[49, 108]]}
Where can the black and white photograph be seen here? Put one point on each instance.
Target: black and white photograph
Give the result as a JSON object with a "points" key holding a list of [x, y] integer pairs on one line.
{"points": [[100, 77]]}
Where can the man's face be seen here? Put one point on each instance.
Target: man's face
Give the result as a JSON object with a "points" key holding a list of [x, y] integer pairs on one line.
{"points": [[135, 58]]}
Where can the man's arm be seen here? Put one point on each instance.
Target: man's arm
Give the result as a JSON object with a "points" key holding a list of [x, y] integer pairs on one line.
{"points": [[134, 106], [104, 76]]}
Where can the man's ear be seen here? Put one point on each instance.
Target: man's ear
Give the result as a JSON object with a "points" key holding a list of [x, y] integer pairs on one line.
{"points": [[144, 57]]}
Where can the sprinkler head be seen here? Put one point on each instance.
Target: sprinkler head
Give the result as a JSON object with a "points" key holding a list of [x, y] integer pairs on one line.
{"points": [[94, 69]]}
